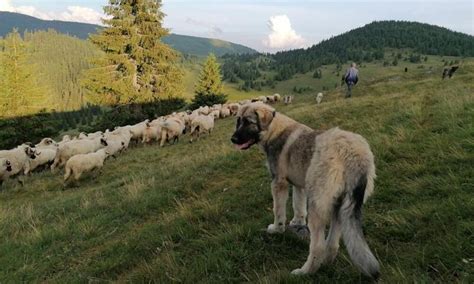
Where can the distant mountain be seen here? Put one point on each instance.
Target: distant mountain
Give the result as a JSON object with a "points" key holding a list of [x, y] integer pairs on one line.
{"points": [[203, 46], [367, 42], [186, 44], [363, 44]]}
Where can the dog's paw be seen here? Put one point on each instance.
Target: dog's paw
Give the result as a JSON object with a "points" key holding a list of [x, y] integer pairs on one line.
{"points": [[297, 222], [299, 271], [275, 229]]}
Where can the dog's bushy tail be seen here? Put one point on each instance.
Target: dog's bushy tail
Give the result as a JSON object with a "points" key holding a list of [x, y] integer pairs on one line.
{"points": [[351, 218]]}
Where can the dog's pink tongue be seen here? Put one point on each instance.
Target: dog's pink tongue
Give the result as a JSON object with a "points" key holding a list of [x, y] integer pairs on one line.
{"points": [[242, 146]]}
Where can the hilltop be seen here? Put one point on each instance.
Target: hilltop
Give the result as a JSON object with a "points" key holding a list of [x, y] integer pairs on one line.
{"points": [[186, 44], [408, 40]]}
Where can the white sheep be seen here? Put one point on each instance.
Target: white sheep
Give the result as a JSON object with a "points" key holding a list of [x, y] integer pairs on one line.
{"points": [[287, 99], [277, 97], [81, 163], [65, 139], [270, 99], [5, 168], [47, 143], [204, 110], [171, 129], [44, 156], [234, 108], [215, 114], [114, 146], [263, 99], [225, 112], [151, 132], [95, 135], [19, 158], [120, 134], [201, 124], [46, 151], [319, 98], [74, 147], [137, 130]]}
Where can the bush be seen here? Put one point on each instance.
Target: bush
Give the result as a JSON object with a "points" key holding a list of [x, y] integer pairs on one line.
{"points": [[134, 113], [207, 100]]}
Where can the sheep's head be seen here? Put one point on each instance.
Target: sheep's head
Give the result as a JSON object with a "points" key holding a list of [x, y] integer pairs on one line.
{"points": [[6, 165], [31, 153]]}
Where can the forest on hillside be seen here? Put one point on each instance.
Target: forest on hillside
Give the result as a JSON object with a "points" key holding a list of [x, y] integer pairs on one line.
{"points": [[40, 71], [364, 44]]}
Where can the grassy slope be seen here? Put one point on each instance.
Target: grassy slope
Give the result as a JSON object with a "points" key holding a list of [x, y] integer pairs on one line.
{"points": [[194, 212]]}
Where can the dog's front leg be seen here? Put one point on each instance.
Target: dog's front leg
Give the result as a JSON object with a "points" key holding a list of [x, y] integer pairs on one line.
{"points": [[280, 196]]}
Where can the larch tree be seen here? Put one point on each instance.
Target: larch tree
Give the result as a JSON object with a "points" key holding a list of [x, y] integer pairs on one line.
{"points": [[209, 89], [137, 66]]}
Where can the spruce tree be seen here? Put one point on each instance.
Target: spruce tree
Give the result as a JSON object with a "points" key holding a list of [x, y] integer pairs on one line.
{"points": [[137, 66], [209, 88]]}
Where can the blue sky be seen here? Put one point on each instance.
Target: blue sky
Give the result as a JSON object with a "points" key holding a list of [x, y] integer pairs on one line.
{"points": [[268, 25]]}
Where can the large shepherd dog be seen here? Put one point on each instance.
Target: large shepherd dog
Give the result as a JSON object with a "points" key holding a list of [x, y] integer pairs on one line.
{"points": [[332, 173]]}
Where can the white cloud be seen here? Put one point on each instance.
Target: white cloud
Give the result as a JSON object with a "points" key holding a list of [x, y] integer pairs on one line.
{"points": [[72, 13], [6, 5], [282, 35], [212, 29], [81, 14]]}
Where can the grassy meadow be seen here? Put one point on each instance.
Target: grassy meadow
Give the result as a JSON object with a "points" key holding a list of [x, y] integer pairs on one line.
{"points": [[196, 212]]}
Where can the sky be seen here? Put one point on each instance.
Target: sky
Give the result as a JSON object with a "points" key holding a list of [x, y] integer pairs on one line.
{"points": [[267, 25]]}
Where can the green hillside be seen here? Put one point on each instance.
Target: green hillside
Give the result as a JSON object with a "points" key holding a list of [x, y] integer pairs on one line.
{"points": [[185, 44], [364, 44], [195, 212], [203, 46]]}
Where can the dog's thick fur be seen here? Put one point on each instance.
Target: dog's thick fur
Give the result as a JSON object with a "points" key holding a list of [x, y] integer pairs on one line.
{"points": [[332, 173]]}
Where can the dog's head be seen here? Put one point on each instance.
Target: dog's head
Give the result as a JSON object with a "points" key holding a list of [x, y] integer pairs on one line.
{"points": [[252, 121]]}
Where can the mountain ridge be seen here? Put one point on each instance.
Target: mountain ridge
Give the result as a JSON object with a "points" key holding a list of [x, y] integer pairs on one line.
{"points": [[198, 46]]}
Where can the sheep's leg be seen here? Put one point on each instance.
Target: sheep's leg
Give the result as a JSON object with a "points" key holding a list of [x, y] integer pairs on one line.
{"points": [[67, 174], [77, 175], [163, 138]]}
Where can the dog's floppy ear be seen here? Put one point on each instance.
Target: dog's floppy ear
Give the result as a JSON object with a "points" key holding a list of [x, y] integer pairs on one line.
{"points": [[264, 117]]}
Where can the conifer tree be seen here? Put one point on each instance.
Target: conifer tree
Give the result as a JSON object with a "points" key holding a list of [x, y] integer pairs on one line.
{"points": [[137, 66], [20, 92], [209, 87]]}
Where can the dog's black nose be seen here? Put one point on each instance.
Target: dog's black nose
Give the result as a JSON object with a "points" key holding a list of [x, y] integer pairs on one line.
{"points": [[234, 139]]}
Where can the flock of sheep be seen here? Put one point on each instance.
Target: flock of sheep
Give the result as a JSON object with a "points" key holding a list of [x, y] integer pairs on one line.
{"points": [[87, 152]]}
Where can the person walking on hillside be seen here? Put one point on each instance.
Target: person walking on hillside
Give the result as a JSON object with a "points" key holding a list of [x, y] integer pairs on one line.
{"points": [[351, 78]]}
